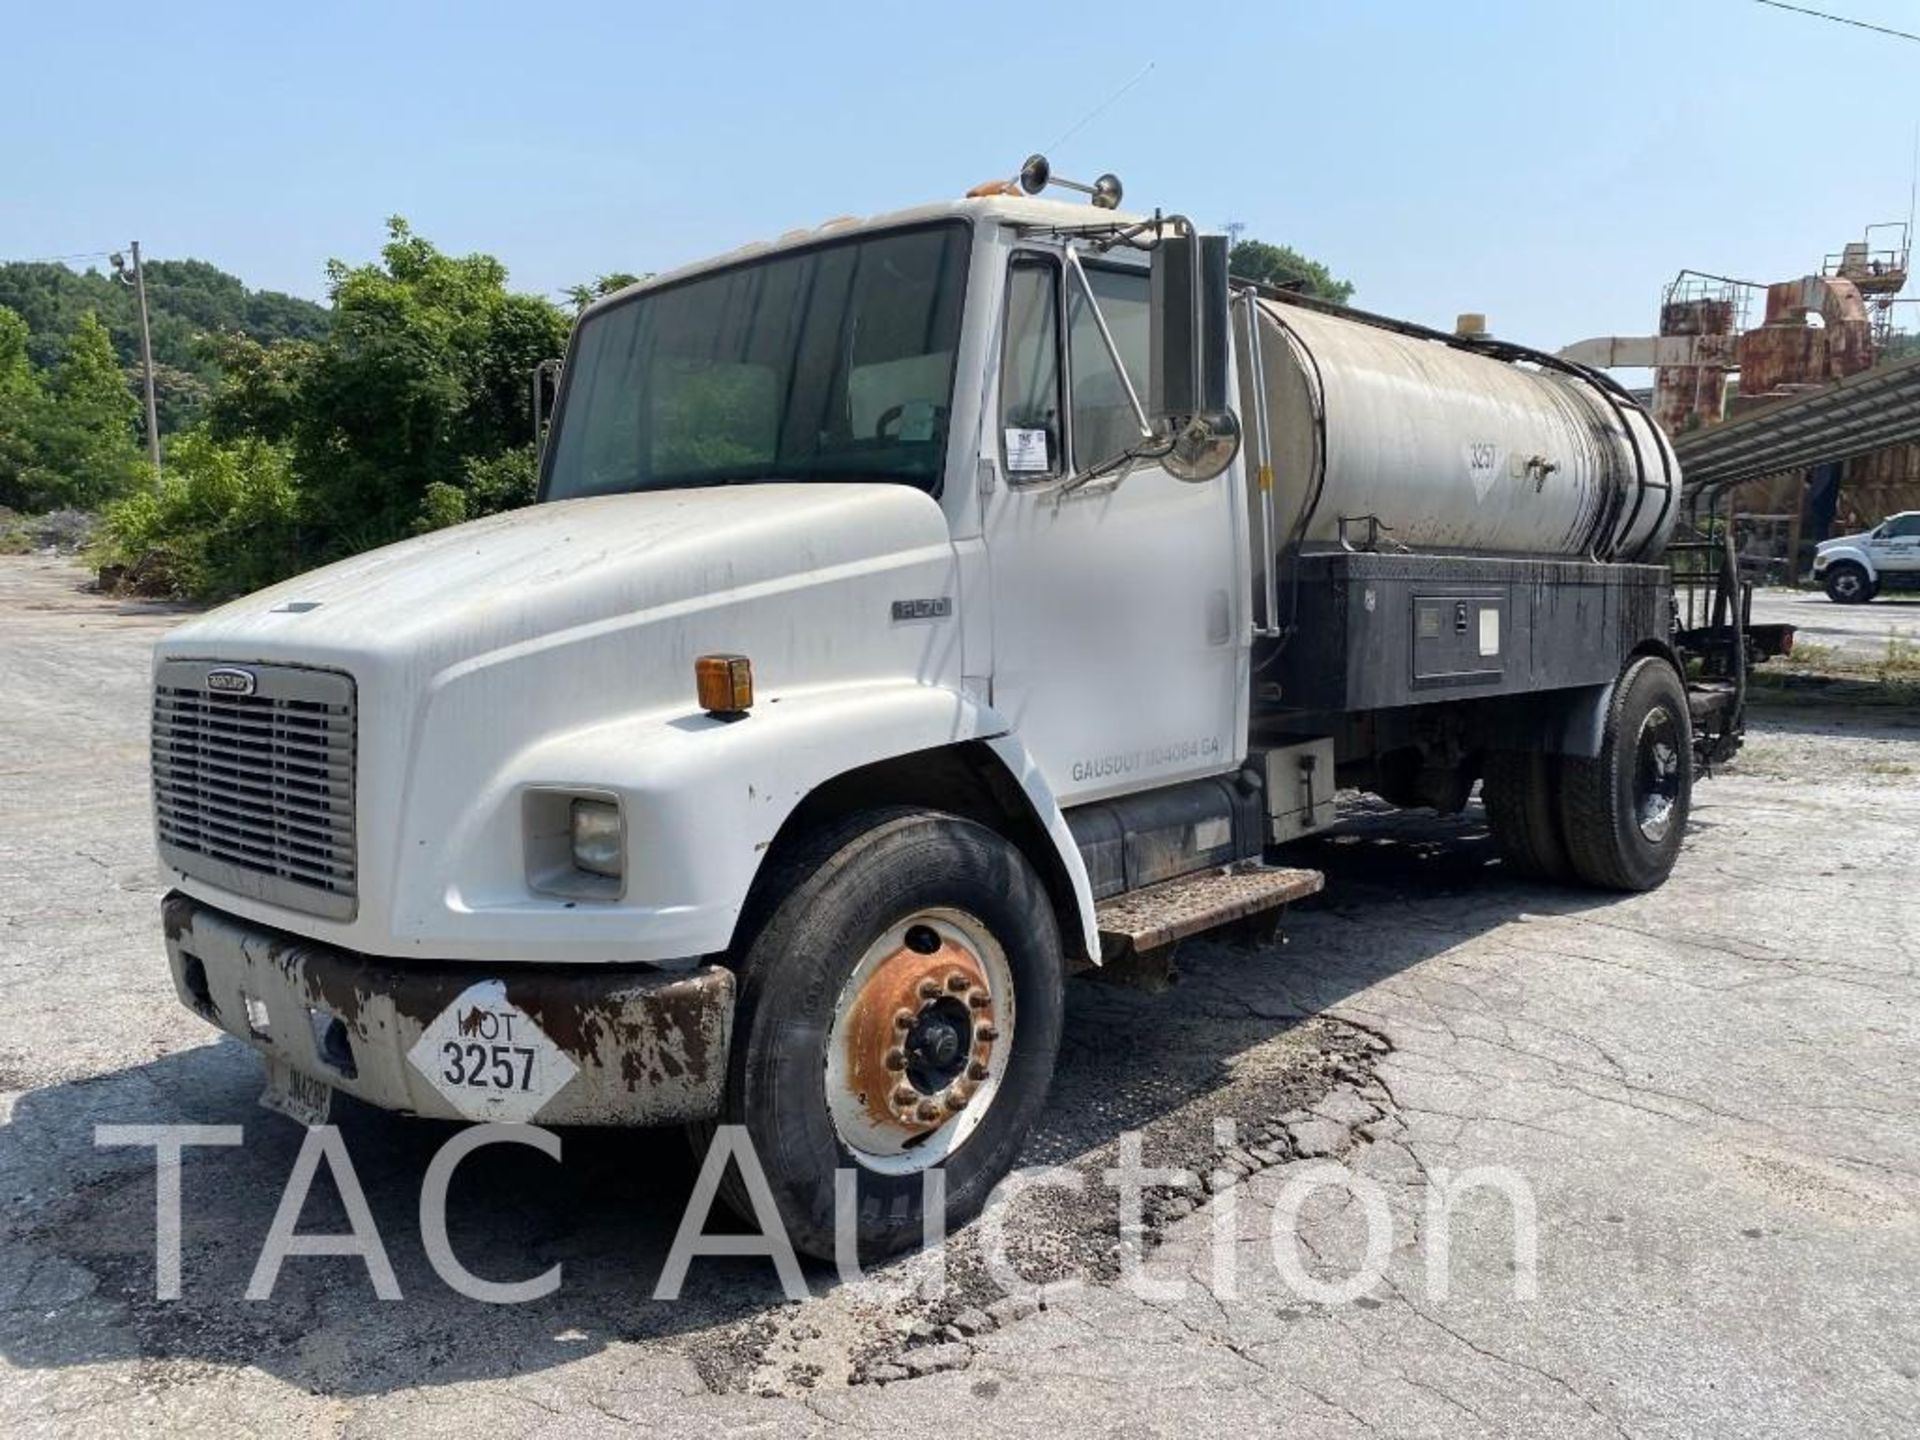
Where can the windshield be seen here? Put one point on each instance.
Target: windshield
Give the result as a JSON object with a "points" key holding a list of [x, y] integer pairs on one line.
{"points": [[833, 363]]}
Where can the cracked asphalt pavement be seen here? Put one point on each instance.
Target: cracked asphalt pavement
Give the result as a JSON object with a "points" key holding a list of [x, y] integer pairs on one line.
{"points": [[1857, 634], [1704, 1096]]}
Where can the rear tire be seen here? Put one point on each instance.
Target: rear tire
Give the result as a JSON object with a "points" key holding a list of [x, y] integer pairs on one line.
{"points": [[1847, 584], [1625, 811], [1521, 792], [857, 910]]}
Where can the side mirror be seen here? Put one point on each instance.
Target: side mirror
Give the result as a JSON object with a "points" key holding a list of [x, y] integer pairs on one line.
{"points": [[1187, 381]]}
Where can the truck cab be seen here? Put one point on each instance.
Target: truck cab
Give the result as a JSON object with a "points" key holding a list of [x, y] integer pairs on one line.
{"points": [[896, 633]]}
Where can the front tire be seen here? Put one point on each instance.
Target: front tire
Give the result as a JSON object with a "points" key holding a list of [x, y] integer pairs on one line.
{"points": [[1847, 584], [894, 915], [1625, 811]]}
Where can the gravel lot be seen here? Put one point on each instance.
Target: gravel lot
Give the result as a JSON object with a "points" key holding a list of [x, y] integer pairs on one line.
{"points": [[1707, 1094]]}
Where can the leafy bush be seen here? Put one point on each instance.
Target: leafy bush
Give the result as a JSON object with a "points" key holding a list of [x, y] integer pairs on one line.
{"points": [[500, 482], [224, 521]]}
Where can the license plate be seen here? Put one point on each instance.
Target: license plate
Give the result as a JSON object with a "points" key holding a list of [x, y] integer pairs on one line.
{"points": [[295, 1095]]}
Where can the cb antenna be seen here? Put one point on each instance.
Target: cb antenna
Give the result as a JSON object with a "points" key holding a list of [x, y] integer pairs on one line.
{"points": [[1086, 119]]}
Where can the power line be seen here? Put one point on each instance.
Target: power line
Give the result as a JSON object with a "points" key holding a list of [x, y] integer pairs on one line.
{"points": [[1840, 20], [57, 259]]}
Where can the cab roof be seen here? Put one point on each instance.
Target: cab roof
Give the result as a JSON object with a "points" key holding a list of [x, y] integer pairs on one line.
{"points": [[995, 209]]}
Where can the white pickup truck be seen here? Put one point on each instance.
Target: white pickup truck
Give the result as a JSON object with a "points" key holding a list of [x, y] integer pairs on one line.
{"points": [[917, 609], [1855, 568]]}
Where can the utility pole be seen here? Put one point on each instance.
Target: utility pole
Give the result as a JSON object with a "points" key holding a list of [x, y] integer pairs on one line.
{"points": [[146, 353]]}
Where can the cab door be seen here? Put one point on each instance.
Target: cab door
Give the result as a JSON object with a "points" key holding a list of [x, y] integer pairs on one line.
{"points": [[1120, 627], [1896, 545]]}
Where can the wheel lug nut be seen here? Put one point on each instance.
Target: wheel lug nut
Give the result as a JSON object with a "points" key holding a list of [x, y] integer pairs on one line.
{"points": [[929, 990], [987, 1033], [957, 983], [928, 1110], [957, 1098], [896, 1059], [979, 1000], [905, 1095], [903, 1019], [977, 1071]]}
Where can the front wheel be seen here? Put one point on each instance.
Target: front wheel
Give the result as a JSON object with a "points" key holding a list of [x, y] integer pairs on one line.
{"points": [[1624, 811], [1847, 584], [900, 1010]]}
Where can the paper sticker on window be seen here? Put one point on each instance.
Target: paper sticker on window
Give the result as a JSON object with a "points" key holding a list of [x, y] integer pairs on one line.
{"points": [[1026, 450], [916, 422], [1489, 630]]}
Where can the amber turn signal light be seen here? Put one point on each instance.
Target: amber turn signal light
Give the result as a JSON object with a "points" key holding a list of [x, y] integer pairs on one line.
{"points": [[724, 683]]}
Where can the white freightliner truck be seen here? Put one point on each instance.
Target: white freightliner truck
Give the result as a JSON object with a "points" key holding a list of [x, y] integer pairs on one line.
{"points": [[918, 609]]}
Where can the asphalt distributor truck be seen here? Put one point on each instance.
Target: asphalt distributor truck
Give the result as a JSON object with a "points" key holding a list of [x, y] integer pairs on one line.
{"points": [[916, 610]]}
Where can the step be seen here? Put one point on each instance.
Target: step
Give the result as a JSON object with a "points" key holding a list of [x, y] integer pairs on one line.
{"points": [[1159, 915]]}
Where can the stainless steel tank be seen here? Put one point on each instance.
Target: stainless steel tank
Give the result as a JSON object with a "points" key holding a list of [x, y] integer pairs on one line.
{"points": [[1392, 439]]}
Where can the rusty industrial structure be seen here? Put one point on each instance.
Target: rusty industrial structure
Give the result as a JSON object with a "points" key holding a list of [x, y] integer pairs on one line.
{"points": [[1710, 367]]}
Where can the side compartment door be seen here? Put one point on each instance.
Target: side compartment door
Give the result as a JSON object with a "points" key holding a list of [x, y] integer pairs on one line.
{"points": [[1120, 628]]}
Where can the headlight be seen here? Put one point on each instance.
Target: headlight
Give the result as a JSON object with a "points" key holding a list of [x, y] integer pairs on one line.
{"points": [[599, 844], [576, 842]]}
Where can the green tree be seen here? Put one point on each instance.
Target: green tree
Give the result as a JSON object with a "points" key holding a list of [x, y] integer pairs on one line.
{"points": [[72, 442], [260, 388], [20, 400], [424, 369], [16, 370], [584, 295], [1283, 266]]}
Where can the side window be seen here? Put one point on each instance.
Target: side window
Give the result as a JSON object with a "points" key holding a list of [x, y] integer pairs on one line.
{"points": [[1103, 421], [1031, 438], [1905, 526]]}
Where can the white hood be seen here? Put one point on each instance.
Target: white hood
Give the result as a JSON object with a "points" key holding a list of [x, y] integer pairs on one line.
{"points": [[464, 591]]}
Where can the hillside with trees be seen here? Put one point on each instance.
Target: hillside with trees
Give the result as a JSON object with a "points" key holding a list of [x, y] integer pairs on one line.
{"points": [[187, 301]]}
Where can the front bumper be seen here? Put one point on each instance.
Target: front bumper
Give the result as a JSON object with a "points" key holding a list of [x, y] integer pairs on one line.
{"points": [[649, 1047]]}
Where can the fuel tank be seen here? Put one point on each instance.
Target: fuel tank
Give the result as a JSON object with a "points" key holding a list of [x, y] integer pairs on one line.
{"points": [[1393, 440]]}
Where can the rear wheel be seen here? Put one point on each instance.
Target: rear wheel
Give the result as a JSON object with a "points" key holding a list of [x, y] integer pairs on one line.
{"points": [[899, 1010], [1847, 584], [1625, 811], [1521, 790]]}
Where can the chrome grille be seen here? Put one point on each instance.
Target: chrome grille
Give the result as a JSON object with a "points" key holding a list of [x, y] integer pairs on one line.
{"points": [[253, 781]]}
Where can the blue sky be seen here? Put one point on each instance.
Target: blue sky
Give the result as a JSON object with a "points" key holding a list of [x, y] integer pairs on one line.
{"points": [[1551, 164]]}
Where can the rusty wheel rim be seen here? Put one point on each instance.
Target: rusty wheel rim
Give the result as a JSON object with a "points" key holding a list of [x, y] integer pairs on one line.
{"points": [[922, 1031]]}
